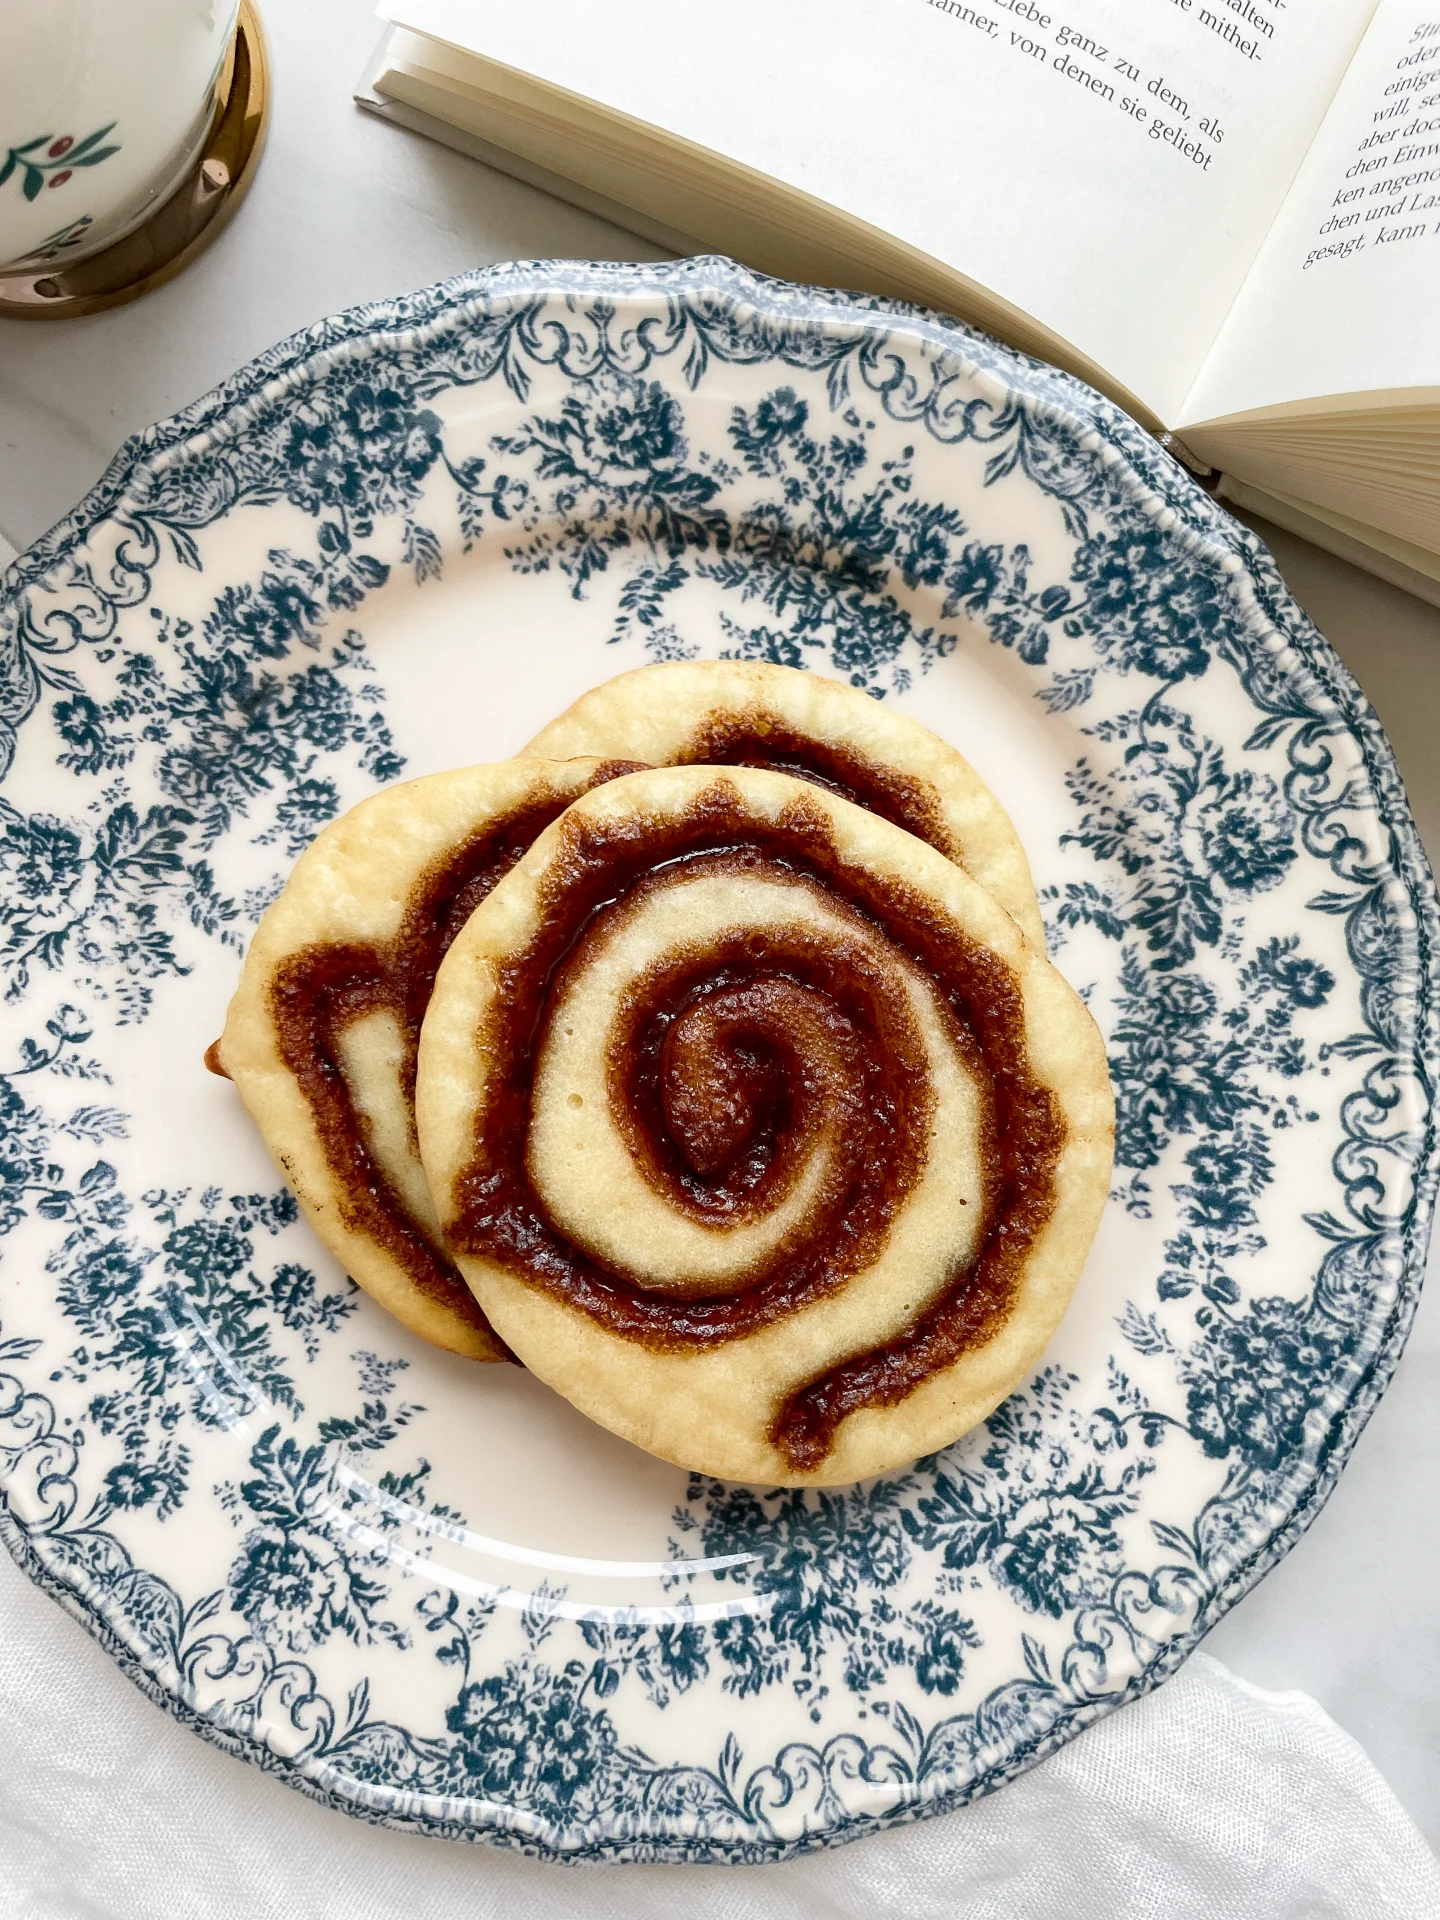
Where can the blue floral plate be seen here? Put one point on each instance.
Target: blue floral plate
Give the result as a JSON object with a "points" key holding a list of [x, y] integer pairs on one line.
{"points": [[432, 1594]]}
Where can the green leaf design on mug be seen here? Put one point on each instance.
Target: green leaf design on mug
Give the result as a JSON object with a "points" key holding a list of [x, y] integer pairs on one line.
{"points": [[61, 156]]}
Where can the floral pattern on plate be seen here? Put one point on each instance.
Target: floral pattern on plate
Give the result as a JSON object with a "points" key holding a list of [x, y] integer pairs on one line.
{"points": [[403, 539]]}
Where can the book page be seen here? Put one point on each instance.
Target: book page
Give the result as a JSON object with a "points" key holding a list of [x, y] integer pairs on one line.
{"points": [[1345, 294], [1108, 166]]}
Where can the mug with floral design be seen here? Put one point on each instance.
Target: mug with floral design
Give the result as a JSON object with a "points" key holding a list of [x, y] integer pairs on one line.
{"points": [[104, 105]]}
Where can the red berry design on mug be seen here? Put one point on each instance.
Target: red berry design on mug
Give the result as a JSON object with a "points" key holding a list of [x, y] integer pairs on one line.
{"points": [[33, 167]]}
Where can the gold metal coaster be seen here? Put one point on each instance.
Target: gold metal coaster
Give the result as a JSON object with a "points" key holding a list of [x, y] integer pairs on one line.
{"points": [[185, 224]]}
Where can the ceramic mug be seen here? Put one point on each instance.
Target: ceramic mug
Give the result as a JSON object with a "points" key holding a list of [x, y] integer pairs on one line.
{"points": [[104, 105]]}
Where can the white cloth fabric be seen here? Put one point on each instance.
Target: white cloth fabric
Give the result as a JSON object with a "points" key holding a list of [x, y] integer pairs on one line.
{"points": [[1209, 1800]]}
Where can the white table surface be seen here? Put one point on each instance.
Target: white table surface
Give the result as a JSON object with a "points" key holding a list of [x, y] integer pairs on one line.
{"points": [[346, 209]]}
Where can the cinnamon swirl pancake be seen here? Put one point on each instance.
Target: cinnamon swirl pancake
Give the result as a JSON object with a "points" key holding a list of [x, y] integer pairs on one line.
{"points": [[321, 1035], [758, 1129], [749, 713]]}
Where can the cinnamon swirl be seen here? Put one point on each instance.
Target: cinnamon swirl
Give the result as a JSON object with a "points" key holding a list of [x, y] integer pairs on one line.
{"points": [[749, 713], [321, 1036], [758, 1129]]}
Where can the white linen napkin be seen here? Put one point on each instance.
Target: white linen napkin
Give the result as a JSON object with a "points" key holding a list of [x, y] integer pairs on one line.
{"points": [[1208, 1800]]}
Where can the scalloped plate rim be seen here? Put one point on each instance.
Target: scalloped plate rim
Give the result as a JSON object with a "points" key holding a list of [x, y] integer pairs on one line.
{"points": [[348, 335]]}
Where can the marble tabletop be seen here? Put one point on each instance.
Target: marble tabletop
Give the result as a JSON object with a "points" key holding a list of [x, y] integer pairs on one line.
{"points": [[346, 209]]}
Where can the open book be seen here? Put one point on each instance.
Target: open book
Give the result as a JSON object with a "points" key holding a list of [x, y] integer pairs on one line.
{"points": [[1225, 213]]}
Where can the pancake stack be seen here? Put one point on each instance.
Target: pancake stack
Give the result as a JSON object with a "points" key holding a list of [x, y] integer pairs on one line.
{"points": [[704, 1058]]}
